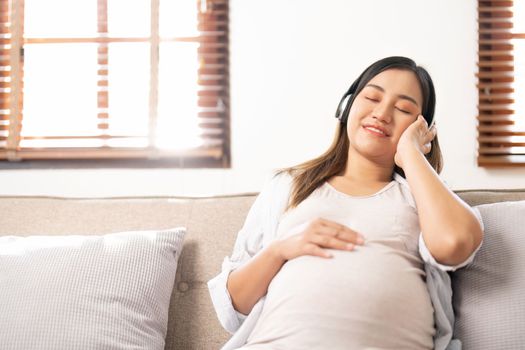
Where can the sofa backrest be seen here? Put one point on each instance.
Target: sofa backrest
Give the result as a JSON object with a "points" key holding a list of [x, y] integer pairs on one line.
{"points": [[212, 225]]}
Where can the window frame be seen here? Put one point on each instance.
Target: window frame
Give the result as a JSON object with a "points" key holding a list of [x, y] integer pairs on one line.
{"points": [[213, 97], [501, 140]]}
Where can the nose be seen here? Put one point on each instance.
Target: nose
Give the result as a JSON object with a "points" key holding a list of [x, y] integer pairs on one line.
{"points": [[383, 112]]}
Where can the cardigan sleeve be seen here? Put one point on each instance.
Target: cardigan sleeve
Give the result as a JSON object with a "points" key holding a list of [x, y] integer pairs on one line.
{"points": [[248, 243]]}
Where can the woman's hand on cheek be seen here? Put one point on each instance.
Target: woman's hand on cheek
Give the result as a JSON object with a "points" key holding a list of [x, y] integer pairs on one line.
{"points": [[416, 138]]}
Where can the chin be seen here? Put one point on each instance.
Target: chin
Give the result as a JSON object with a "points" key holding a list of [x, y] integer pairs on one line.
{"points": [[375, 150], [377, 154]]}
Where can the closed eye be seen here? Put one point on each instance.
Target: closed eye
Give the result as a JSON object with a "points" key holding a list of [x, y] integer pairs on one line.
{"points": [[403, 111], [372, 99]]}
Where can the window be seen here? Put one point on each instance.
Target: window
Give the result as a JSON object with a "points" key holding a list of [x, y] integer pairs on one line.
{"points": [[501, 83], [114, 79]]}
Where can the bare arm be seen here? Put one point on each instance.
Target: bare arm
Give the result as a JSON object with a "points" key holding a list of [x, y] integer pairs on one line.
{"points": [[449, 226], [250, 282]]}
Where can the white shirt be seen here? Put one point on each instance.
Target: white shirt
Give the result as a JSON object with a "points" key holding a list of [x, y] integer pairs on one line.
{"points": [[261, 227]]}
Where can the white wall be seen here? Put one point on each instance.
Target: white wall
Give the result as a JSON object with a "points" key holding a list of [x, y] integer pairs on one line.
{"points": [[291, 60]]}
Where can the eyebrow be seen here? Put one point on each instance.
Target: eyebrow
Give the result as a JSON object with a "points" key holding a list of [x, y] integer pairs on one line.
{"points": [[405, 97]]}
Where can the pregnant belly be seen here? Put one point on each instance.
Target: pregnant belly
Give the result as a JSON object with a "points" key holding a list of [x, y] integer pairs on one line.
{"points": [[375, 295]]}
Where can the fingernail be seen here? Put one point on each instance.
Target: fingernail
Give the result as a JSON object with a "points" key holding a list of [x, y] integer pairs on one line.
{"points": [[349, 246], [360, 240], [328, 255]]}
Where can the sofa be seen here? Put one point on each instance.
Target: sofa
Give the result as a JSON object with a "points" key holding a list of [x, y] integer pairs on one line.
{"points": [[212, 224]]}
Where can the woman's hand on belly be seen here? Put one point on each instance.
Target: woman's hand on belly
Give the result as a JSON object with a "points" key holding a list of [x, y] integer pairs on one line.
{"points": [[318, 235]]}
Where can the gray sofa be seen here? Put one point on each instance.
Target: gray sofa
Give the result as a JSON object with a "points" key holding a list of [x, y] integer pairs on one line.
{"points": [[212, 227]]}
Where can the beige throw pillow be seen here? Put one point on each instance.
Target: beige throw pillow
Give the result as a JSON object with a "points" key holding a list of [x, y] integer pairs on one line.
{"points": [[87, 292]]}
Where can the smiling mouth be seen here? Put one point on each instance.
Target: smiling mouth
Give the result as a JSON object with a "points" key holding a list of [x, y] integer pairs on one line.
{"points": [[375, 131]]}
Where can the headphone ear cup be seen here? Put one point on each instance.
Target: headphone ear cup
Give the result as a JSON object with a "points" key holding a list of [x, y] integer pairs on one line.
{"points": [[344, 105], [343, 108]]}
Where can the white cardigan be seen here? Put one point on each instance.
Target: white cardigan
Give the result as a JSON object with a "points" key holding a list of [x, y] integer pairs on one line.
{"points": [[260, 229]]}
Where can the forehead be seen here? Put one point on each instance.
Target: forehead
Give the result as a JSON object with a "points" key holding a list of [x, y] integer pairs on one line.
{"points": [[399, 82]]}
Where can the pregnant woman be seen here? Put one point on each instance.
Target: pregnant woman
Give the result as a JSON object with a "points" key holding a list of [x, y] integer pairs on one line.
{"points": [[332, 254]]}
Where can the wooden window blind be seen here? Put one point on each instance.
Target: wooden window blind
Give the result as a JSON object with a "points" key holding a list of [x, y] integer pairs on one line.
{"points": [[113, 79], [501, 83]]}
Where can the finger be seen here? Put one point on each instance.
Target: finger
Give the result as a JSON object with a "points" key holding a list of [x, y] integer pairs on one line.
{"points": [[330, 227], [334, 225], [341, 232], [427, 147], [422, 120], [431, 134], [326, 241], [421, 126], [312, 249]]}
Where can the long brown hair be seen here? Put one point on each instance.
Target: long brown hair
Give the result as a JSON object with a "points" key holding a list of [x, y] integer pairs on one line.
{"points": [[311, 174]]}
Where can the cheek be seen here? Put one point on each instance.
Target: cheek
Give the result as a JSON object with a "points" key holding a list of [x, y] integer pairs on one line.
{"points": [[352, 127], [358, 109], [401, 129], [355, 116], [404, 123], [352, 115]]}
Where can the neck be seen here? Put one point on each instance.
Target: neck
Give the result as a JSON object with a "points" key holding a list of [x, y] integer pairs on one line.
{"points": [[361, 169]]}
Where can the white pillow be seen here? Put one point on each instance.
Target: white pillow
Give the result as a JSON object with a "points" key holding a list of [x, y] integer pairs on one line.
{"points": [[489, 298], [87, 292]]}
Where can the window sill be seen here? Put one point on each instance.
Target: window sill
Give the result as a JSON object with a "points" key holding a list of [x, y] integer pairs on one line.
{"points": [[167, 163]]}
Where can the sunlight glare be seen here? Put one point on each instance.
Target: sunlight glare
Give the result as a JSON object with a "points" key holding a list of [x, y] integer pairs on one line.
{"points": [[177, 125], [177, 18], [60, 18], [16, 245], [58, 83], [129, 75], [129, 18], [60, 79]]}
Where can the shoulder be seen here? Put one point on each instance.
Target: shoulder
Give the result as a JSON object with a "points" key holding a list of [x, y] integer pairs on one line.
{"points": [[404, 190], [279, 182], [275, 191]]}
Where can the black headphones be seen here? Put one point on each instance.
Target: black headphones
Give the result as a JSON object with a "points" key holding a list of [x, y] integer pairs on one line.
{"points": [[343, 109]]}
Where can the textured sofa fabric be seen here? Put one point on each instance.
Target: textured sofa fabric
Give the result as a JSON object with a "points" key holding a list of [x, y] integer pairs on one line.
{"points": [[212, 225], [489, 296], [88, 292]]}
